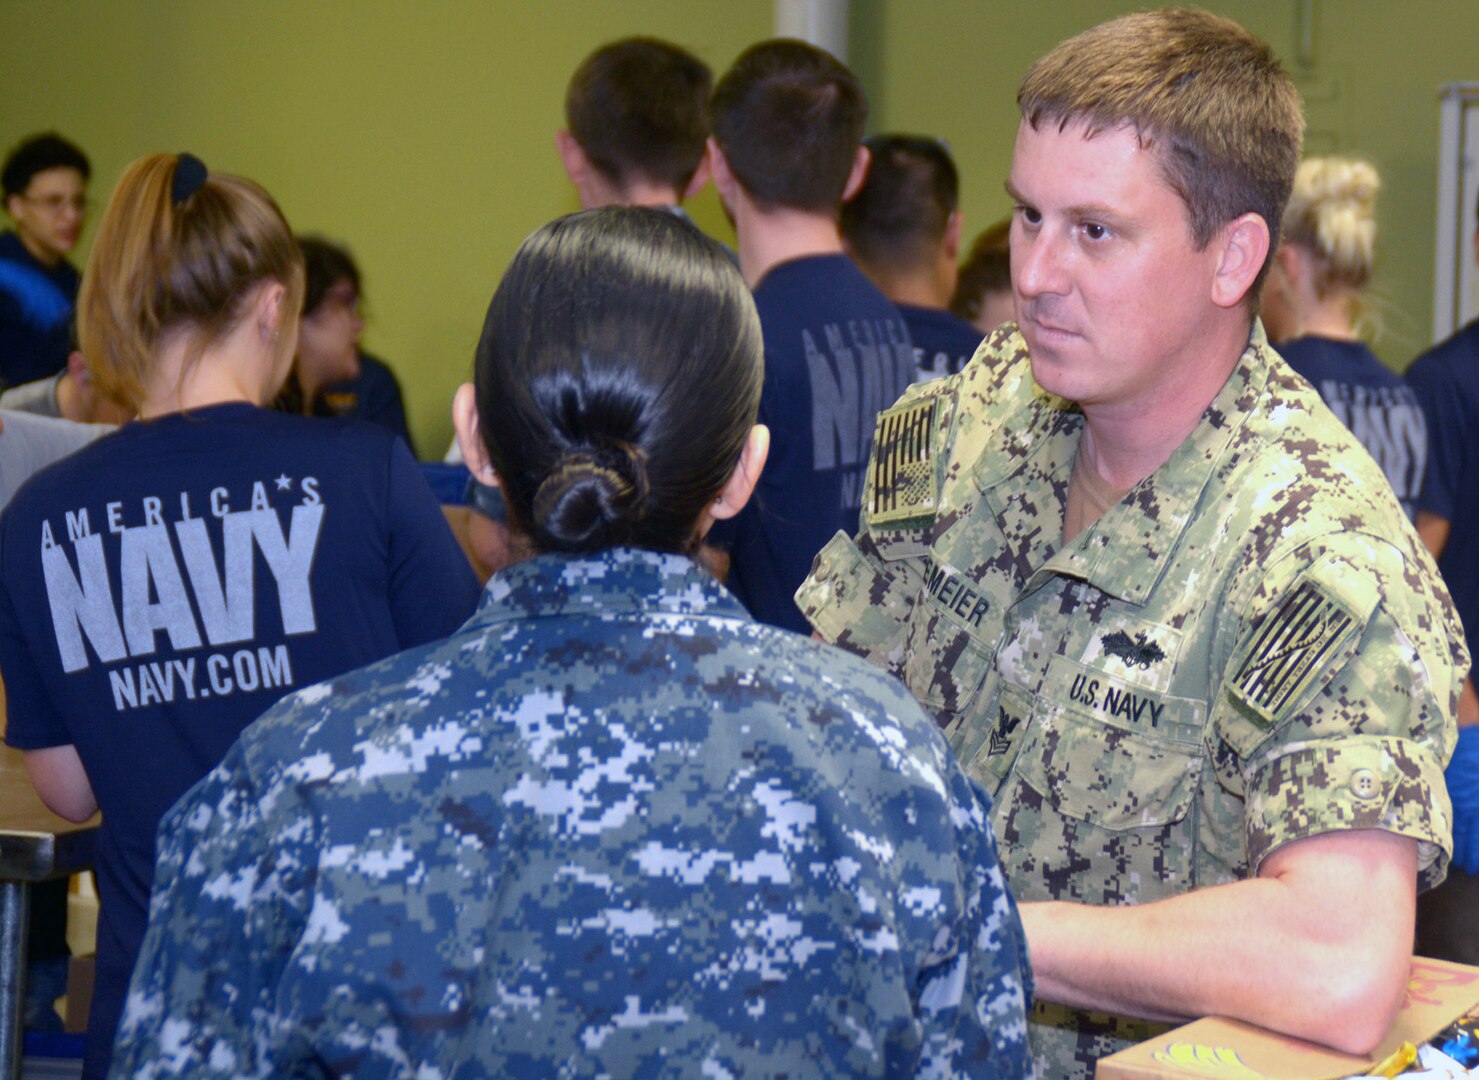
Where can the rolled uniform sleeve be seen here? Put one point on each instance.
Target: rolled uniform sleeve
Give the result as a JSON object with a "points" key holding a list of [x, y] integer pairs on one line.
{"points": [[1339, 700], [226, 911]]}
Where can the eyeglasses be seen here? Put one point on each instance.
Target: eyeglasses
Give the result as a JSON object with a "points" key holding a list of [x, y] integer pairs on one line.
{"points": [[55, 204]]}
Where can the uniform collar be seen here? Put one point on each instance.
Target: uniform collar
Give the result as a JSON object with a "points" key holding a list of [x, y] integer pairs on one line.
{"points": [[1126, 551], [615, 581]]}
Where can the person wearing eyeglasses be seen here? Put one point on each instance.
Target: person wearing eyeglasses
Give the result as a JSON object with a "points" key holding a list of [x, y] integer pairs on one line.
{"points": [[44, 179]]}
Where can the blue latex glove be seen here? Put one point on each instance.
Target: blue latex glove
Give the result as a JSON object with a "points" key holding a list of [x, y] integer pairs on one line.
{"points": [[1463, 789]]}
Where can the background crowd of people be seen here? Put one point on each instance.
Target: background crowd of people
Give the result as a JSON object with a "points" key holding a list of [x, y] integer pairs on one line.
{"points": [[225, 512]]}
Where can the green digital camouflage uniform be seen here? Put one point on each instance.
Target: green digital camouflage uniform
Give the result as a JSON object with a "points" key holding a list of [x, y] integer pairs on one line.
{"points": [[1250, 648]]}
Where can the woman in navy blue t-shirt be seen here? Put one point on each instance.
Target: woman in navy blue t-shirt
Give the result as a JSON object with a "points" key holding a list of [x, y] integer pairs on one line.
{"points": [[1314, 305], [164, 586]]}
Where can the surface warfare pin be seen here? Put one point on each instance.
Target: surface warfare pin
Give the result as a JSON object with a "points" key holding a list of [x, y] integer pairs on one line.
{"points": [[1138, 653]]}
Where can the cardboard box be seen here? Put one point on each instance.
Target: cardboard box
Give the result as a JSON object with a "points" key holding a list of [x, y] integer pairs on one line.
{"points": [[1438, 993]]}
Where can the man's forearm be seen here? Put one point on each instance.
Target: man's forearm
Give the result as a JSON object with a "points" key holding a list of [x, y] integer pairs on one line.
{"points": [[1318, 947]]}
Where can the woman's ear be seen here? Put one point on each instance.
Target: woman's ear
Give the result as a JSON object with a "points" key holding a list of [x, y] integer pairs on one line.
{"points": [[469, 436], [269, 308], [741, 483]]}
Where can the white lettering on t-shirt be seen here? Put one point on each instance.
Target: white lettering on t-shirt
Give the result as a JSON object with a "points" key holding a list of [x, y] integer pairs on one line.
{"points": [[147, 559], [81, 603], [857, 371], [1389, 423], [152, 596]]}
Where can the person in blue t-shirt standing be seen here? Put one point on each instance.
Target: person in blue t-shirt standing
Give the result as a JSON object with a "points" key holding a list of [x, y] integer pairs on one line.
{"points": [[1313, 309], [1446, 380], [786, 152], [903, 229], [166, 584], [45, 184]]}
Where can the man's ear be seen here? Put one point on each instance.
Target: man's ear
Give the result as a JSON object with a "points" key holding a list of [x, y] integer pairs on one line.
{"points": [[469, 436], [741, 483], [11, 200], [718, 166], [572, 157], [701, 176], [952, 235], [859, 173], [1242, 247]]}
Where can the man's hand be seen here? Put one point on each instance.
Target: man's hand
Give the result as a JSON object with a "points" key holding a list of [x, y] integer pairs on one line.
{"points": [[1318, 946]]}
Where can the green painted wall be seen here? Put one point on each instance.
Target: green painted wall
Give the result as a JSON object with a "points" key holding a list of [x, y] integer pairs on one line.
{"points": [[951, 68], [419, 133]]}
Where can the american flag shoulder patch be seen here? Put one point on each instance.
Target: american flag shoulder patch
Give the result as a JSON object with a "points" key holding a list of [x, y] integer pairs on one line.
{"points": [[1290, 649], [901, 483]]}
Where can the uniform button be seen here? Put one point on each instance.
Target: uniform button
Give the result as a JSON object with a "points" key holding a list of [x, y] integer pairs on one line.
{"points": [[1363, 784]]}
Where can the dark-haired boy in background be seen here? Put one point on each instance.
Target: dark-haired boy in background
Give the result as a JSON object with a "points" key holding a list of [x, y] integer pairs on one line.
{"points": [[635, 125], [44, 180], [786, 152], [903, 229]]}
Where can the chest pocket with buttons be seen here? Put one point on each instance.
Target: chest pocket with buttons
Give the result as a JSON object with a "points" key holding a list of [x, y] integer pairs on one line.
{"points": [[1107, 794]]}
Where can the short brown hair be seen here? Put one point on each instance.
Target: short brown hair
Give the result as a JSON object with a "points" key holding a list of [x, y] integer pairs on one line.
{"points": [[158, 266], [1210, 100], [789, 118], [638, 108], [987, 269], [899, 216]]}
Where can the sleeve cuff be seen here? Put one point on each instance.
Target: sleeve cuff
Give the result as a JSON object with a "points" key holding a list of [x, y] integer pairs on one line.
{"points": [[1367, 782]]}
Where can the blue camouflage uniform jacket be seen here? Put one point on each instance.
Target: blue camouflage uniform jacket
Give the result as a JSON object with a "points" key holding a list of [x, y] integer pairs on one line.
{"points": [[611, 827]]}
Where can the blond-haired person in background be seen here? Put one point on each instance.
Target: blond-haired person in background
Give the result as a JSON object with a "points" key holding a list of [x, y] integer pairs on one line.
{"points": [[1315, 309]]}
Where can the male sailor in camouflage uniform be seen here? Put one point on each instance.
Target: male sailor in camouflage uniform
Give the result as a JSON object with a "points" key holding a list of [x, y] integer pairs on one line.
{"points": [[1166, 609]]}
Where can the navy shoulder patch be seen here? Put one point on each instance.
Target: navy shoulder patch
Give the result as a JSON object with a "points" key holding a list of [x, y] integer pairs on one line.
{"points": [[1289, 650], [901, 482]]}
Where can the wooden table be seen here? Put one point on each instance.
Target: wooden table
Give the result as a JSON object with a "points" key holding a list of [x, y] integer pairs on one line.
{"points": [[35, 845]]}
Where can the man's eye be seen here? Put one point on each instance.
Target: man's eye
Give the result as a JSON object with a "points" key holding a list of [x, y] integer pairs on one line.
{"points": [[1029, 215], [1095, 231]]}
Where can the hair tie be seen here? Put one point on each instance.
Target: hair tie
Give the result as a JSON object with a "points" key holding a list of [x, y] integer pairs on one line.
{"points": [[189, 177]]}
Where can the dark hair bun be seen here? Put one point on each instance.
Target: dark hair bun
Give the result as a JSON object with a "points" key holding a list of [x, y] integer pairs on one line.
{"points": [[591, 498]]}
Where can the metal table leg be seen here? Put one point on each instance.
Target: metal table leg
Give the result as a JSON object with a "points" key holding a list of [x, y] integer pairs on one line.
{"points": [[15, 904]]}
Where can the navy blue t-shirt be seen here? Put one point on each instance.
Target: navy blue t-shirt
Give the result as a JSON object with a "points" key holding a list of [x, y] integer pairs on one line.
{"points": [[373, 395], [166, 584], [943, 342], [1446, 381], [836, 354], [1374, 404], [35, 303]]}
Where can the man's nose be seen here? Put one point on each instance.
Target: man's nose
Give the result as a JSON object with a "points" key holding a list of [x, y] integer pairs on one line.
{"points": [[1038, 264]]}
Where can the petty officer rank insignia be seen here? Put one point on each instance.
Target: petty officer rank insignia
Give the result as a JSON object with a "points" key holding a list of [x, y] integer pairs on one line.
{"points": [[1290, 650], [902, 483]]}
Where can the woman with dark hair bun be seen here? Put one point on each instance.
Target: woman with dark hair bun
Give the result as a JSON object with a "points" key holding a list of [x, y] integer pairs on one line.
{"points": [[613, 826], [163, 586]]}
